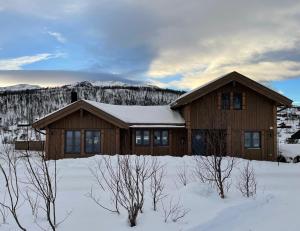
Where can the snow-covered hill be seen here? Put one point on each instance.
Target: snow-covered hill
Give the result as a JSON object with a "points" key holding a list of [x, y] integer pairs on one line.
{"points": [[19, 87], [29, 104]]}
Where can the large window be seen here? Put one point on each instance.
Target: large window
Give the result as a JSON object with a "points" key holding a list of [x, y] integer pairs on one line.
{"points": [[142, 137], [237, 101], [252, 140], [92, 141], [161, 137], [72, 141], [225, 101]]}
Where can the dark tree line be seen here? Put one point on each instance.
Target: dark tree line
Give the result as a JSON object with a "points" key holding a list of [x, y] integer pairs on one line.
{"points": [[16, 106]]}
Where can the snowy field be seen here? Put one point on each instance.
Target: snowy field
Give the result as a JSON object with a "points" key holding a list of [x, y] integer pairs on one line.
{"points": [[276, 205]]}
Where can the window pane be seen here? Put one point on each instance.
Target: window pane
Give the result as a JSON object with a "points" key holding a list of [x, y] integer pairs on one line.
{"points": [[225, 101], [165, 137], [247, 139], [256, 139], [237, 101], [92, 141], [72, 142], [138, 138], [157, 140], [146, 137]]}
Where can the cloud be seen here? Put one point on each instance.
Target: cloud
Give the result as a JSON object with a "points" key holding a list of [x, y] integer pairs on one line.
{"points": [[18, 63], [58, 36], [197, 40]]}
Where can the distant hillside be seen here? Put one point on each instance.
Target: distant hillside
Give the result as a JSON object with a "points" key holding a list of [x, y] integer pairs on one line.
{"points": [[18, 105]]}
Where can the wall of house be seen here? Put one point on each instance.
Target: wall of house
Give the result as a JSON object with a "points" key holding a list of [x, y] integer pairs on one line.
{"points": [[258, 114], [177, 143], [80, 120]]}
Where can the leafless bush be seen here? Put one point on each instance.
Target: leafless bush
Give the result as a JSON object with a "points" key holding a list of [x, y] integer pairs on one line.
{"points": [[3, 214], [247, 181], [34, 203], [42, 181], [9, 170], [173, 210], [214, 167], [216, 170], [182, 175], [157, 183], [108, 179], [125, 182]]}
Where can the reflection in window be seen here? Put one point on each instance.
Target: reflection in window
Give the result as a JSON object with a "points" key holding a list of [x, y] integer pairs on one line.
{"points": [[237, 101], [225, 101], [142, 137], [72, 141], [252, 140], [161, 137], [92, 141]]}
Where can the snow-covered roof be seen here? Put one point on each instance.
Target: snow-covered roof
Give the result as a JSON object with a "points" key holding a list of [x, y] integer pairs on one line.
{"points": [[134, 114]]}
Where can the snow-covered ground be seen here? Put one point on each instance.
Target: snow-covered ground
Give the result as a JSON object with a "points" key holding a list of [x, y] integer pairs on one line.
{"points": [[275, 207]]}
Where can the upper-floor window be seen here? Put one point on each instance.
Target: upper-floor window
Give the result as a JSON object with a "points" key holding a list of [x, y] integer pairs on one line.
{"points": [[252, 139], [142, 137], [72, 141], [161, 137], [92, 141], [237, 101], [225, 101]]}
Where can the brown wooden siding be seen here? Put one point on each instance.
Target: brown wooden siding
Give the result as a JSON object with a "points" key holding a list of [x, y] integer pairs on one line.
{"points": [[177, 143], [257, 115], [80, 120]]}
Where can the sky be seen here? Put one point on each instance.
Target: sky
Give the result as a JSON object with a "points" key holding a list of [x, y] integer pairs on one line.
{"points": [[171, 43]]}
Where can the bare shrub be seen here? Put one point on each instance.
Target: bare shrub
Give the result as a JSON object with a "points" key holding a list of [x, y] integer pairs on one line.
{"points": [[125, 182], [173, 210], [9, 162], [34, 203], [215, 170], [42, 182], [182, 175], [214, 167], [3, 215], [157, 184], [247, 181], [107, 177]]}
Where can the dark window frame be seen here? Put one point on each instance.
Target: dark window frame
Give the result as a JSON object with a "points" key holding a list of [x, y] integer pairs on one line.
{"points": [[85, 142], [161, 137], [142, 131], [225, 97], [240, 96], [73, 142], [252, 140]]}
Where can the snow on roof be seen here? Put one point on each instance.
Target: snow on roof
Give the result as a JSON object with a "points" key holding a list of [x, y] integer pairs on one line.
{"points": [[134, 114]]}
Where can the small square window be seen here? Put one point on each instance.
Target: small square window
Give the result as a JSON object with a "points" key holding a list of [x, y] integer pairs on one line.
{"points": [[142, 137], [161, 137], [252, 140]]}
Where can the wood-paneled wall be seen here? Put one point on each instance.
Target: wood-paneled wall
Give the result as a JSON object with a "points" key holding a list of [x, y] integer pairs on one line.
{"points": [[257, 114], [80, 120]]}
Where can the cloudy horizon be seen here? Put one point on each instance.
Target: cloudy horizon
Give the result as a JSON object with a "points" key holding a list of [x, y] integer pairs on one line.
{"points": [[170, 43]]}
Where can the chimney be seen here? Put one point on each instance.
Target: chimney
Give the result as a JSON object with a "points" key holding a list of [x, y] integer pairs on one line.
{"points": [[74, 97]]}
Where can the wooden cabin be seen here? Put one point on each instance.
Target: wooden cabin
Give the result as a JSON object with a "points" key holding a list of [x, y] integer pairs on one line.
{"points": [[233, 115]]}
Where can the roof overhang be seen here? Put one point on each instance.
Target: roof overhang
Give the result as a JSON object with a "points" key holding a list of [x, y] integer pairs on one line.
{"points": [[73, 107], [233, 76]]}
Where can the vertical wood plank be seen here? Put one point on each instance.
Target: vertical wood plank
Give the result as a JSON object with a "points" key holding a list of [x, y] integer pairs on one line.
{"points": [[82, 142], [170, 141], [244, 101], [219, 100], [62, 154], [228, 142], [118, 140], [46, 148]]}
